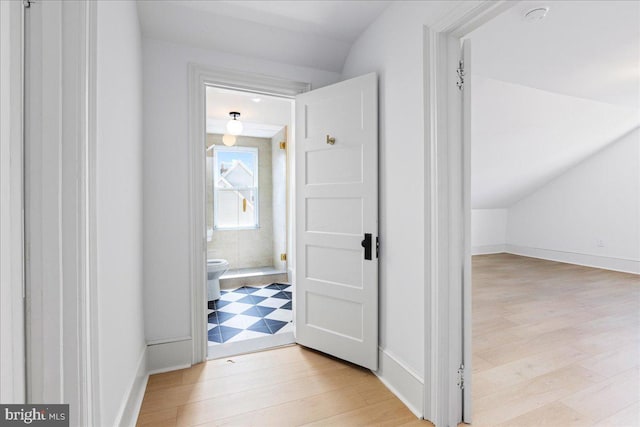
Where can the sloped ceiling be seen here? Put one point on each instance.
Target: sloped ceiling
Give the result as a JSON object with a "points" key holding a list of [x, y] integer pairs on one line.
{"points": [[523, 137], [549, 94], [316, 34]]}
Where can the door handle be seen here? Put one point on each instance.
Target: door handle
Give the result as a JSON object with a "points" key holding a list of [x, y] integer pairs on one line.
{"points": [[366, 244]]}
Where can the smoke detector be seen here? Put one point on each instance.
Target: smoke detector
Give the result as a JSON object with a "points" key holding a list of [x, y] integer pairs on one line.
{"points": [[536, 14]]}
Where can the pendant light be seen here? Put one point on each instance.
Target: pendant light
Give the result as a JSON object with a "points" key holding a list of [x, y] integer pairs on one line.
{"points": [[234, 126], [228, 140]]}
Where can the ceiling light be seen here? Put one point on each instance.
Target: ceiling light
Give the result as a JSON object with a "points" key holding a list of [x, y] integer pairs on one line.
{"points": [[256, 100], [536, 14], [234, 126], [228, 140]]}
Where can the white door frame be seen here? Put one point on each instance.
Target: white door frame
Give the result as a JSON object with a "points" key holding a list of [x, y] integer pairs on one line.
{"points": [[446, 213], [200, 77], [12, 342], [60, 215]]}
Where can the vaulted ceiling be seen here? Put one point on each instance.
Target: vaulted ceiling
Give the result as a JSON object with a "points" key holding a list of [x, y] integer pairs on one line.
{"points": [[550, 93], [315, 34], [547, 94]]}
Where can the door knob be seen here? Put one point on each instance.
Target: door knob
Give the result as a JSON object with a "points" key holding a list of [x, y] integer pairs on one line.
{"points": [[331, 140]]}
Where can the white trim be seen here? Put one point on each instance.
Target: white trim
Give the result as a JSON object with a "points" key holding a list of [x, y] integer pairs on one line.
{"points": [[441, 335], [444, 208], [59, 139], [489, 249], [250, 82], [402, 381], [199, 78], [253, 345], [596, 261], [168, 340], [169, 355], [169, 369], [467, 302], [130, 407], [91, 348], [467, 17], [12, 342]]}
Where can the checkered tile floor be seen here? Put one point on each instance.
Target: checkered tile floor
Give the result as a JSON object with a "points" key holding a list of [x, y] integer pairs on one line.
{"points": [[250, 312]]}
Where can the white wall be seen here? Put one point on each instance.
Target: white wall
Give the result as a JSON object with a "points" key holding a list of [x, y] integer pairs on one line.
{"points": [[589, 215], [488, 231], [166, 174], [393, 47], [122, 344]]}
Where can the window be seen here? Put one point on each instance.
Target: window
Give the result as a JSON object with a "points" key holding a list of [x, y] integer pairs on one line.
{"points": [[235, 188]]}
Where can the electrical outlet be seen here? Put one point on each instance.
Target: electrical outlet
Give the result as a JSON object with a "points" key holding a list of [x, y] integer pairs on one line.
{"points": [[600, 243]]}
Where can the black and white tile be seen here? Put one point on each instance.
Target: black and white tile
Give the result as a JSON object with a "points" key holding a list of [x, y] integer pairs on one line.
{"points": [[250, 312]]}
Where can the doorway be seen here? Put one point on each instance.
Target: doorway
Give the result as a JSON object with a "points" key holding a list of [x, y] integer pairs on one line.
{"points": [[249, 292], [336, 154], [541, 141]]}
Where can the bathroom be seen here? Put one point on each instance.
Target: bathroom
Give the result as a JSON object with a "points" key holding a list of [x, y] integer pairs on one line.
{"points": [[248, 290]]}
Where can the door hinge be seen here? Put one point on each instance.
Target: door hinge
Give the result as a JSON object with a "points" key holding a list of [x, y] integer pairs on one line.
{"points": [[460, 73], [460, 382], [283, 145]]}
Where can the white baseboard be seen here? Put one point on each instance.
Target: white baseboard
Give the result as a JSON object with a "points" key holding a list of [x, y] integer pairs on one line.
{"points": [[218, 351], [130, 409], [607, 263], [169, 356], [401, 381], [488, 249]]}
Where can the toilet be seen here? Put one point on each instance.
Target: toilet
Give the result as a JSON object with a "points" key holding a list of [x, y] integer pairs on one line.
{"points": [[215, 269]]}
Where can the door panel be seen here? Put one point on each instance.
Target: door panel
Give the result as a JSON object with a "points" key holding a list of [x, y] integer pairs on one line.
{"points": [[347, 166], [334, 215], [336, 300]]}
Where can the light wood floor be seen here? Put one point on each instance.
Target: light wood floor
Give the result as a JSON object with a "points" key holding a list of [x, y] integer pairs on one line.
{"points": [[553, 345], [282, 387]]}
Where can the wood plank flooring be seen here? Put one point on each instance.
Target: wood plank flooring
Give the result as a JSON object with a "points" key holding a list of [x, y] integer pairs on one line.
{"points": [[288, 386], [554, 345]]}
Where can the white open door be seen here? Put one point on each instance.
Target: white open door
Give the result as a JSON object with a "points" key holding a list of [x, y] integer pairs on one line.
{"points": [[466, 206], [336, 298]]}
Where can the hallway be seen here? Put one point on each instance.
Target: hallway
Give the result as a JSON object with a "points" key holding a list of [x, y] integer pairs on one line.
{"points": [[286, 386]]}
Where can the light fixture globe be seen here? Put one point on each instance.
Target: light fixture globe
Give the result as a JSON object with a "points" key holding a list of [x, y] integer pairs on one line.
{"points": [[228, 140], [234, 126]]}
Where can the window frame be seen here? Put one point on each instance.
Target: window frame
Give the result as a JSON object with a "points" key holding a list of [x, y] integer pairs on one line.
{"points": [[255, 188]]}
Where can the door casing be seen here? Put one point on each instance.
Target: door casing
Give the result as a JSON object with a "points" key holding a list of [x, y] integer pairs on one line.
{"points": [[61, 332], [199, 78], [447, 298], [12, 341]]}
